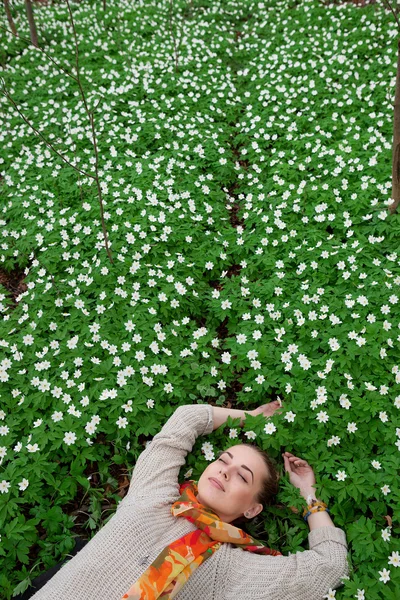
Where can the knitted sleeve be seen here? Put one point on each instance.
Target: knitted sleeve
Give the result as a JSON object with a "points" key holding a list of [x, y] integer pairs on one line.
{"points": [[305, 575], [157, 468]]}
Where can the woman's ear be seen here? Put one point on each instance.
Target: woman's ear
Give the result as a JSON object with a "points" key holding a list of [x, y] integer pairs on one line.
{"points": [[253, 512]]}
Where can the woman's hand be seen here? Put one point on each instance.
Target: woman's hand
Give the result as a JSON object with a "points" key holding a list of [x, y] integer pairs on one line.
{"points": [[301, 475], [267, 409]]}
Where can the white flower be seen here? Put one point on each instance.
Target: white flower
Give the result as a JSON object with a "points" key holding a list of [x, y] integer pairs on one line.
{"points": [[241, 338], [383, 417], [269, 428], [57, 416], [360, 595], [233, 433], [73, 342], [322, 417], [386, 534], [207, 447], [290, 416], [394, 559], [4, 486], [344, 402], [304, 362], [69, 438], [250, 435], [90, 428], [376, 464], [260, 379], [341, 475], [384, 575], [226, 358], [288, 388], [369, 386], [209, 455], [331, 595], [351, 427], [150, 403], [28, 340], [122, 422], [385, 490], [334, 344], [23, 484], [32, 447], [335, 440]]}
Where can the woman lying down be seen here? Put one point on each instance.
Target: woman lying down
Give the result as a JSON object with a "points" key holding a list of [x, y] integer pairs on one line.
{"points": [[170, 540]]}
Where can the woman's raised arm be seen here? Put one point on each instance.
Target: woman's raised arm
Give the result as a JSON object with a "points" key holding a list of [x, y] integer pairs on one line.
{"points": [[302, 476], [220, 415], [155, 476]]}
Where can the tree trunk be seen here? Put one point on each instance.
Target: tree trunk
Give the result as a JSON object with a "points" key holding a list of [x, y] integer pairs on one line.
{"points": [[9, 17], [396, 141], [31, 21]]}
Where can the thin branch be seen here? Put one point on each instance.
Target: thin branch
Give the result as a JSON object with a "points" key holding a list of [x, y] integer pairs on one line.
{"points": [[6, 93], [41, 50], [31, 21], [9, 17], [91, 119], [78, 79], [394, 14], [173, 36]]}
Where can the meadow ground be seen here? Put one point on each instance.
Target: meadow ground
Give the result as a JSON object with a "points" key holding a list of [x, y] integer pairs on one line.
{"points": [[194, 209]]}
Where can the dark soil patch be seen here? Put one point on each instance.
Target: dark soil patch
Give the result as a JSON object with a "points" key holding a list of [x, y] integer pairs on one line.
{"points": [[13, 281]]}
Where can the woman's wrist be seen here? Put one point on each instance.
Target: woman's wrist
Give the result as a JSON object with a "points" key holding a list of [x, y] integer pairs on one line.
{"points": [[316, 519], [319, 519], [307, 493]]}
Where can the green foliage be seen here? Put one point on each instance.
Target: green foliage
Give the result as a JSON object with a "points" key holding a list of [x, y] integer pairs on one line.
{"points": [[245, 199]]}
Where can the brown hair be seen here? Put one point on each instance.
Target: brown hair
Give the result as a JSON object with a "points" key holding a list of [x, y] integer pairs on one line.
{"points": [[269, 488]]}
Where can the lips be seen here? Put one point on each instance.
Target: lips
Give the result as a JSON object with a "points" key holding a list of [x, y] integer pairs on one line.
{"points": [[218, 483]]}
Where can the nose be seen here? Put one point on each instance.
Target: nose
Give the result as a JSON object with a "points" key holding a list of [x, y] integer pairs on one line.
{"points": [[223, 471]]}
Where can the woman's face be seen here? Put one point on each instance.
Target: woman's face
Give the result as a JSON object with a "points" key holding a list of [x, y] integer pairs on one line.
{"points": [[241, 471]]}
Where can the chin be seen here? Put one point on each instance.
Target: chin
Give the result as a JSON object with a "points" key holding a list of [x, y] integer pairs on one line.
{"points": [[202, 494]]}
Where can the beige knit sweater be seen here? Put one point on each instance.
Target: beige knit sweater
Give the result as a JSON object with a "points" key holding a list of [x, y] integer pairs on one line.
{"points": [[143, 525]]}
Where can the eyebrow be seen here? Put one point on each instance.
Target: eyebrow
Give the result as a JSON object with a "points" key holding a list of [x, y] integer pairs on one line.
{"points": [[244, 466]]}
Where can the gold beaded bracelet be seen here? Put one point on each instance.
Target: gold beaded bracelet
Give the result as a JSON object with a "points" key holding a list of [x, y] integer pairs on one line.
{"points": [[313, 507]]}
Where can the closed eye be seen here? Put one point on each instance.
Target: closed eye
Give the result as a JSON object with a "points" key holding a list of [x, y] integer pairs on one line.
{"points": [[239, 473]]}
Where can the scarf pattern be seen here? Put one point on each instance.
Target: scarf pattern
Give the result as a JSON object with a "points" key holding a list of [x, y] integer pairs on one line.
{"points": [[168, 573]]}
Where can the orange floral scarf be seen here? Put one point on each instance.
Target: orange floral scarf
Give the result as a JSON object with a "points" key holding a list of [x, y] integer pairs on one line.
{"points": [[165, 577]]}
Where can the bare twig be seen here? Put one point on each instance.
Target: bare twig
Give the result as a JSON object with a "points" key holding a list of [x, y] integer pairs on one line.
{"points": [[23, 39], [395, 192], [9, 17], [394, 14], [176, 50], [7, 94], [31, 21], [91, 119]]}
